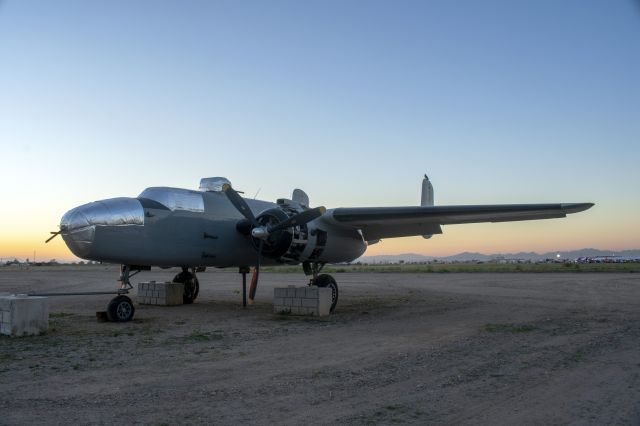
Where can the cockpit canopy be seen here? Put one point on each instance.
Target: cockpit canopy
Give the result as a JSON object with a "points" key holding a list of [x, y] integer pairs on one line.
{"points": [[213, 184], [174, 198], [182, 199]]}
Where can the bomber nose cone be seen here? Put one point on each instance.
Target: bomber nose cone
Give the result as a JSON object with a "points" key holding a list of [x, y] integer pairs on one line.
{"points": [[77, 230], [78, 225]]}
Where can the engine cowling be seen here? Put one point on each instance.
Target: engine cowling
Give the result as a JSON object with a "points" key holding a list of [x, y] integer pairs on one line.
{"points": [[290, 245], [277, 243]]}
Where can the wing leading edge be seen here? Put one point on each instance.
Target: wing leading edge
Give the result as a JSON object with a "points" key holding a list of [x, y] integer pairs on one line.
{"points": [[388, 222]]}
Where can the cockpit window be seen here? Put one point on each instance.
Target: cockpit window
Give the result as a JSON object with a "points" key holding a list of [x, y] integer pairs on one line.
{"points": [[151, 204], [174, 198]]}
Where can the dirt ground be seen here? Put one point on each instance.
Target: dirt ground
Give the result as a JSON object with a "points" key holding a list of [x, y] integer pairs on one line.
{"points": [[401, 348]]}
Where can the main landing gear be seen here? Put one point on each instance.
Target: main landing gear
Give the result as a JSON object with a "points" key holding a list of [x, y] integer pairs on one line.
{"points": [[322, 280], [191, 284], [317, 279]]}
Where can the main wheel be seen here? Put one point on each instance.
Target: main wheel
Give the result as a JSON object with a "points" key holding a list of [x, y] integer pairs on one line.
{"points": [[326, 280], [191, 286], [120, 309]]}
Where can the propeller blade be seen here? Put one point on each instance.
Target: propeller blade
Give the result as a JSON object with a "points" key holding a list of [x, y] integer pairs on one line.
{"points": [[239, 203], [299, 219], [252, 287], [54, 234], [256, 273]]}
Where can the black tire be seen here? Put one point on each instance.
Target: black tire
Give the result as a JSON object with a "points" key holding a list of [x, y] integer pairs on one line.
{"points": [[326, 280], [120, 309], [191, 286]]}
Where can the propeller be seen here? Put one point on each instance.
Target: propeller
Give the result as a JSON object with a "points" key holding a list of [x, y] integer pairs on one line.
{"points": [[262, 232], [240, 204]]}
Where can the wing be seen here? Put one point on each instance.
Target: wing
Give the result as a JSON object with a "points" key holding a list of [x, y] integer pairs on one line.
{"points": [[388, 222]]}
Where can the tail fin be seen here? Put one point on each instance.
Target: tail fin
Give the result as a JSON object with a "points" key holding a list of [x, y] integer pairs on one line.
{"points": [[427, 192], [427, 196]]}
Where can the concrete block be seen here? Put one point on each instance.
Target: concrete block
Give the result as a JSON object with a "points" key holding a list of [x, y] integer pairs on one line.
{"points": [[281, 309], [309, 303], [174, 292], [5, 303], [302, 300], [24, 315], [324, 301], [156, 293]]}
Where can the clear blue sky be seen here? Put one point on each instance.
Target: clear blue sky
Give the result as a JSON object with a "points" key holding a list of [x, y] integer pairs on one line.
{"points": [[498, 101]]}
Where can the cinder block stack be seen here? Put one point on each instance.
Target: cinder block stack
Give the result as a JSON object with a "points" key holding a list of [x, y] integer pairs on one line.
{"points": [[22, 315], [302, 300], [165, 294]]}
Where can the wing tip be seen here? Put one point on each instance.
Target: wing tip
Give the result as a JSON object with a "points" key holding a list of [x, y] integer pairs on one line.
{"points": [[576, 207]]}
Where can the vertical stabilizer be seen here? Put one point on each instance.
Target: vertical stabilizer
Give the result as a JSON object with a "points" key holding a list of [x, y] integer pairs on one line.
{"points": [[427, 192], [427, 196]]}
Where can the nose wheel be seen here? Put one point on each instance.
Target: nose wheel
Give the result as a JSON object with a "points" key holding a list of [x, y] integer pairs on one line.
{"points": [[120, 309]]}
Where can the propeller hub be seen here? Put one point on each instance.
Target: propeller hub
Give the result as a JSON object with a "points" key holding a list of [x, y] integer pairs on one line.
{"points": [[260, 232]]}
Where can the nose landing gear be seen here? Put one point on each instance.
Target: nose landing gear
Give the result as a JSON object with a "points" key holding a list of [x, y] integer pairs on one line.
{"points": [[120, 309]]}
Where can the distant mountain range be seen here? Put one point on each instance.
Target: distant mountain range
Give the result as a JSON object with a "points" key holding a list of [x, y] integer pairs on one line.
{"points": [[467, 256]]}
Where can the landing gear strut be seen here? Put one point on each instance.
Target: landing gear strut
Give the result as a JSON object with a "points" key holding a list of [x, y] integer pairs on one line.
{"points": [[322, 280], [191, 284]]}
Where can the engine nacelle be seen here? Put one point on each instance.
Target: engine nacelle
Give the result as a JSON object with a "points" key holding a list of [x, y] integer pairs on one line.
{"points": [[313, 241]]}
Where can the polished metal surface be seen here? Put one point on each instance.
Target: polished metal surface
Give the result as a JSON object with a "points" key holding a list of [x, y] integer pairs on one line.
{"points": [[260, 232], [111, 212], [78, 225], [213, 184], [175, 198], [300, 197]]}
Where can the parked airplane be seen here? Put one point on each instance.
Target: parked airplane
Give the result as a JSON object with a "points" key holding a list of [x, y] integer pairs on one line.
{"points": [[217, 227]]}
